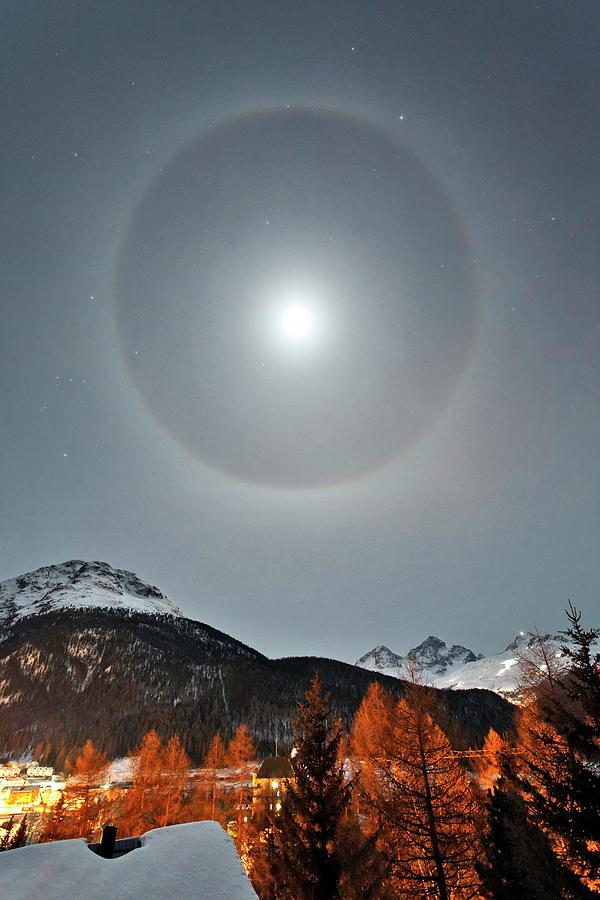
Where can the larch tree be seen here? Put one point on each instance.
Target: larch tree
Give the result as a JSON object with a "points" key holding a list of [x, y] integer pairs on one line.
{"points": [[54, 825], [420, 799], [316, 797], [90, 771], [176, 767], [371, 726], [488, 765], [215, 760], [240, 752], [142, 804]]}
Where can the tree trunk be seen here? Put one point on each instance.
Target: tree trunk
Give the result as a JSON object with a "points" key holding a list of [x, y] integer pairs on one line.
{"points": [[435, 847]]}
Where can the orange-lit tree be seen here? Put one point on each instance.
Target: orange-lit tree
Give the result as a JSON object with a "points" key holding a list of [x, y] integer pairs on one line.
{"points": [[84, 791], [240, 752], [143, 802], [488, 766], [79, 811], [55, 825], [176, 767], [421, 803], [215, 760]]}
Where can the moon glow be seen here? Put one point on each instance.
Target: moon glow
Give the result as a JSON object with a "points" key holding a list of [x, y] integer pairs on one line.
{"points": [[297, 321]]}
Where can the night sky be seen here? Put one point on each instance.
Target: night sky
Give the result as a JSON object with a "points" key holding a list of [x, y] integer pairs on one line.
{"points": [[300, 310]]}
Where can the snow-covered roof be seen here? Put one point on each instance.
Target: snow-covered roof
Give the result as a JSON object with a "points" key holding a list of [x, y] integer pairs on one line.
{"points": [[275, 767], [196, 861]]}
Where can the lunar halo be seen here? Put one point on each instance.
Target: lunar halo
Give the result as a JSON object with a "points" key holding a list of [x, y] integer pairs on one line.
{"points": [[309, 285]]}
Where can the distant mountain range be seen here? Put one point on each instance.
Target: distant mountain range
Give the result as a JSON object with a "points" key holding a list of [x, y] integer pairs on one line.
{"points": [[87, 650], [457, 667]]}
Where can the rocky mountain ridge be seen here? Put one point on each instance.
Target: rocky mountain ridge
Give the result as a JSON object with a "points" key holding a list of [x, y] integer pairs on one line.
{"points": [[432, 657]]}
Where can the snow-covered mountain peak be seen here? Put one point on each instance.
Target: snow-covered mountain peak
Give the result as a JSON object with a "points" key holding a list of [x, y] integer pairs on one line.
{"points": [[78, 583], [432, 641], [432, 657], [380, 658], [525, 640]]}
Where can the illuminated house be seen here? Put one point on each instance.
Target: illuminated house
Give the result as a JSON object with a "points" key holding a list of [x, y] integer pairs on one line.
{"points": [[269, 782], [23, 795], [35, 771], [10, 770]]}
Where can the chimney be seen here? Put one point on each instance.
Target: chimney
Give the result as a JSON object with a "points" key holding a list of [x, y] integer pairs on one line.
{"points": [[109, 837]]}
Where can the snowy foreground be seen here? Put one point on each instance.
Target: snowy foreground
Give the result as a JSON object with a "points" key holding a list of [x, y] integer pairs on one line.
{"points": [[197, 861]]}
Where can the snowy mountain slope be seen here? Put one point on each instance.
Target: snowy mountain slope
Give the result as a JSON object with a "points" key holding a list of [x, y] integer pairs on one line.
{"points": [[432, 657], [458, 667], [79, 584], [500, 672]]}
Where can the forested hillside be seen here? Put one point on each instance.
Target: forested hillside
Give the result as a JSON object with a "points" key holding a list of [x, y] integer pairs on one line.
{"points": [[112, 674]]}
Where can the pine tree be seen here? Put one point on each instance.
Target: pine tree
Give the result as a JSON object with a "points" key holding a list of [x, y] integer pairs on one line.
{"points": [[582, 684], [559, 753], [517, 860], [306, 831], [239, 753], [364, 872], [420, 801], [19, 838], [13, 838], [5, 839]]}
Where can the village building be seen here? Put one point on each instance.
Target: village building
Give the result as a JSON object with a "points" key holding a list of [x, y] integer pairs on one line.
{"points": [[36, 771], [21, 797], [269, 782], [10, 770]]}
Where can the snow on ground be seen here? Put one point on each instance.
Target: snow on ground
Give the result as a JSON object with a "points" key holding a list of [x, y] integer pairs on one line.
{"points": [[120, 770], [197, 861]]}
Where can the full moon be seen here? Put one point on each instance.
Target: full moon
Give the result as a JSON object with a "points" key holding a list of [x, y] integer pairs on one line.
{"points": [[297, 321]]}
